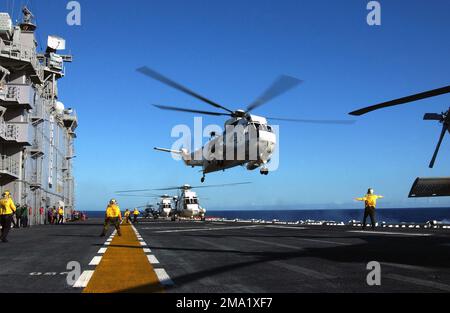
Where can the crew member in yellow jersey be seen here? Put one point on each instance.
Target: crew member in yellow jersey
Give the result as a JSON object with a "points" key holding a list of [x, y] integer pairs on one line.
{"points": [[60, 215], [135, 215], [370, 201], [113, 217], [127, 216], [7, 210]]}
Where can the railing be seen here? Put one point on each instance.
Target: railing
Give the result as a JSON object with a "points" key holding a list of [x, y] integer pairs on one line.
{"points": [[18, 94], [10, 93], [2, 91], [9, 165], [21, 52], [9, 132], [70, 120], [12, 131], [54, 65]]}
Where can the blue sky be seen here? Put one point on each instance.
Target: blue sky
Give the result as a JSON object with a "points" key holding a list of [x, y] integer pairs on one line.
{"points": [[231, 51]]}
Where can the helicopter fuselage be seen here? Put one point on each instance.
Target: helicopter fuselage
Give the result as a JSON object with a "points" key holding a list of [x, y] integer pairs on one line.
{"points": [[187, 205], [248, 141], [165, 207]]}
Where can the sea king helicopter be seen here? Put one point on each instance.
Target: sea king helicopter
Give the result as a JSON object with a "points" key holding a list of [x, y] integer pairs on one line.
{"points": [[186, 203], [423, 187], [244, 132]]}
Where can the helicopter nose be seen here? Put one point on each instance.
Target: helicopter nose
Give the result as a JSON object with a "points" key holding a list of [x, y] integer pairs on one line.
{"points": [[267, 137]]}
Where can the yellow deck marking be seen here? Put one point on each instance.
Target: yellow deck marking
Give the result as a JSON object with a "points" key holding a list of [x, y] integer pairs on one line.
{"points": [[124, 268]]}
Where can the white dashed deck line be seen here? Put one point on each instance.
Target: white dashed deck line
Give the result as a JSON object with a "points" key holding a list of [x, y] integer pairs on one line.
{"points": [[107, 243], [285, 227], [270, 243], [83, 280], [388, 233], [163, 277], [205, 229], [302, 270], [419, 282], [152, 259], [95, 260], [101, 250], [409, 267]]}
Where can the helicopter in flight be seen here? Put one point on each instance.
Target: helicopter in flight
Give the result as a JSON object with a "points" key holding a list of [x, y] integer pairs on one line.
{"points": [[248, 139], [187, 203], [443, 118]]}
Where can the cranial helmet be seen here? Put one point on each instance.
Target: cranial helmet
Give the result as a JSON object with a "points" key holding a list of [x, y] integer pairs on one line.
{"points": [[370, 191], [112, 201]]}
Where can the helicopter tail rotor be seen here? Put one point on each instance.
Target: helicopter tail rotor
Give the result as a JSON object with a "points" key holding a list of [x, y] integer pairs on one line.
{"points": [[442, 118], [432, 117], [444, 129]]}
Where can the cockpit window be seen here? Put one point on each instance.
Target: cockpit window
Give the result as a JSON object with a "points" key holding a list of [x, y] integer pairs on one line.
{"points": [[190, 201], [263, 127]]}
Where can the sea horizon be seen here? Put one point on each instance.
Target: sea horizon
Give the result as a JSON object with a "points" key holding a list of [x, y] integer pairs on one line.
{"points": [[388, 215]]}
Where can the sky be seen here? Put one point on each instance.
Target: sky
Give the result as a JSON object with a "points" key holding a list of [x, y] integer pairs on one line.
{"points": [[230, 51]]}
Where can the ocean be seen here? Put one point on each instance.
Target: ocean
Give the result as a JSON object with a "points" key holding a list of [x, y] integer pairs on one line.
{"points": [[413, 215]]}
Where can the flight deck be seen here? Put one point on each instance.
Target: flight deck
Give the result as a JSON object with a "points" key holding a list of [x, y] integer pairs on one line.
{"points": [[222, 257]]}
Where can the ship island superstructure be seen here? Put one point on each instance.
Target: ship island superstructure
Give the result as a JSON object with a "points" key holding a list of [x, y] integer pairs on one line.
{"points": [[37, 132]]}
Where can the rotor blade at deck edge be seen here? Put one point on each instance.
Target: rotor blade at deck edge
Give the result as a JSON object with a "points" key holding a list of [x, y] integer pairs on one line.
{"points": [[411, 98]]}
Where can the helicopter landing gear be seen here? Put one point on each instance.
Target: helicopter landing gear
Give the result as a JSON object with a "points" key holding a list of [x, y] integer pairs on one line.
{"points": [[264, 171], [203, 178]]}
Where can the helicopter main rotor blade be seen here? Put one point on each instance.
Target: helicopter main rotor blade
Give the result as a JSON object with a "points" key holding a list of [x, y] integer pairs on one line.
{"points": [[281, 85], [208, 186], [167, 81], [139, 196], [133, 190], [339, 122], [444, 130], [177, 188], [221, 185], [168, 188], [170, 108], [415, 97]]}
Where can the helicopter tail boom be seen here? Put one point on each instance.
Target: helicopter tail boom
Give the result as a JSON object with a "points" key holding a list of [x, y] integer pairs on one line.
{"points": [[169, 150], [185, 155]]}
